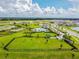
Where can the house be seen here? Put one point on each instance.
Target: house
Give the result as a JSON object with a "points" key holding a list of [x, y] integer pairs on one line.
{"points": [[44, 25], [39, 30]]}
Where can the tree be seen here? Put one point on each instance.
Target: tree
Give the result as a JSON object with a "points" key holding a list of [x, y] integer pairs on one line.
{"points": [[47, 37]]}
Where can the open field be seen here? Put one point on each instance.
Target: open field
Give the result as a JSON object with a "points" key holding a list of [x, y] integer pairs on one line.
{"points": [[39, 39]]}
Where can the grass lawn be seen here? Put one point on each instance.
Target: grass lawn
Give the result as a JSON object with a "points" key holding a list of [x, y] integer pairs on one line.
{"points": [[34, 45], [40, 55], [6, 39]]}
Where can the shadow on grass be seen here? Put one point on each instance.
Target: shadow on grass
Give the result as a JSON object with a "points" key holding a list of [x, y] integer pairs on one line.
{"points": [[36, 50]]}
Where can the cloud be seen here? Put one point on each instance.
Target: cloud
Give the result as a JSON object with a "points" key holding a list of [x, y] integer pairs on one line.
{"points": [[69, 11], [73, 10], [23, 8], [74, 0], [62, 11], [1, 9], [75, 3], [50, 10], [36, 9], [18, 8]]}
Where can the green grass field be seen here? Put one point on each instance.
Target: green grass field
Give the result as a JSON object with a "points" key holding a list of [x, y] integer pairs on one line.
{"points": [[33, 45]]}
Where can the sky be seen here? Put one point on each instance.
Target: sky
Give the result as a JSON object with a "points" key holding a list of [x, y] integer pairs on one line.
{"points": [[40, 8]]}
